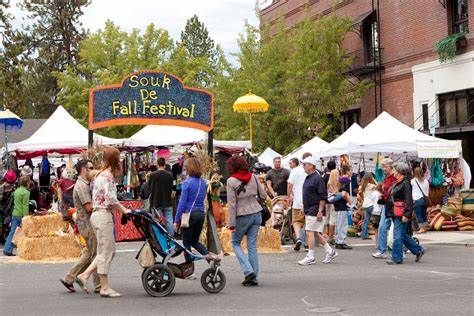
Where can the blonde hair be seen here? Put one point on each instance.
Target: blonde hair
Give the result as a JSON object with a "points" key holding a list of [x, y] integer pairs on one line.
{"points": [[333, 182], [419, 175]]}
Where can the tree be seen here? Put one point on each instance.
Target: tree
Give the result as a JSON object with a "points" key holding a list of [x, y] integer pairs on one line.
{"points": [[300, 72], [107, 56], [51, 43], [195, 40]]}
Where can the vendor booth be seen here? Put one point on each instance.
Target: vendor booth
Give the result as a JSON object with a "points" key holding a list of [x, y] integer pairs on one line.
{"points": [[267, 156]]}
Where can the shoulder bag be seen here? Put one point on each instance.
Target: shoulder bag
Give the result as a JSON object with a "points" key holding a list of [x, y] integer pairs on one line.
{"points": [[185, 216], [398, 206], [425, 198]]}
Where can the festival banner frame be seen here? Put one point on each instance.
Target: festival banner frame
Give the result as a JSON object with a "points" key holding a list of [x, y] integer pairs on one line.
{"points": [[185, 92]]}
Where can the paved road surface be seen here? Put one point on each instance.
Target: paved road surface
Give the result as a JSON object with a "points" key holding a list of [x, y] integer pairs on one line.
{"points": [[355, 284]]}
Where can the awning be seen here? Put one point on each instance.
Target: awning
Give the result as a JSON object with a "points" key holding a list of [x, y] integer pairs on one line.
{"points": [[362, 17]]}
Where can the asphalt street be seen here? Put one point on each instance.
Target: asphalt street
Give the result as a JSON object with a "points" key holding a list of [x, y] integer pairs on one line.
{"points": [[354, 284]]}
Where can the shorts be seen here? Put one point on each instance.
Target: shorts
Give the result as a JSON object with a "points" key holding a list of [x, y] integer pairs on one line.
{"points": [[312, 224], [297, 216], [376, 221], [331, 211]]}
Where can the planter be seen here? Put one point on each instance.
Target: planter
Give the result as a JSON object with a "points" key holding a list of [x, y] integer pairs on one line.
{"points": [[450, 46]]}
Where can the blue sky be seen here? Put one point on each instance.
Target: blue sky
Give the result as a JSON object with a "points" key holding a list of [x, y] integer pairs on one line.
{"points": [[223, 18]]}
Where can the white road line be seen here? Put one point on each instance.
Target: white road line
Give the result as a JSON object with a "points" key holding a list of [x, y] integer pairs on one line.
{"points": [[127, 250]]}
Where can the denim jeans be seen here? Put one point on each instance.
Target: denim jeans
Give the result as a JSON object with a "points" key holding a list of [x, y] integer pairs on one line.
{"points": [[419, 208], [247, 225], [16, 221], [401, 238], [341, 227], [384, 226], [167, 213], [365, 225], [192, 233]]}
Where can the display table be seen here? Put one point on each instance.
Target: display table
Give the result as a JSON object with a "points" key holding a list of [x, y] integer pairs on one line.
{"points": [[127, 232]]}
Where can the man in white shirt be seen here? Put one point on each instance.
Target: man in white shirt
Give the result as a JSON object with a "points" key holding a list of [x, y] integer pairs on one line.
{"points": [[295, 199]]}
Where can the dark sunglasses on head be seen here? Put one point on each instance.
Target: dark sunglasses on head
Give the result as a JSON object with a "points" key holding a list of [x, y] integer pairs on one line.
{"points": [[90, 168]]}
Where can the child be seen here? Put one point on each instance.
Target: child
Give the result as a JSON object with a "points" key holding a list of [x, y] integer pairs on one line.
{"points": [[377, 211], [338, 188], [366, 188]]}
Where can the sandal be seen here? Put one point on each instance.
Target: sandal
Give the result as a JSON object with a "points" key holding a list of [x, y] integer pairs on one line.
{"points": [[111, 293], [81, 284], [69, 287]]}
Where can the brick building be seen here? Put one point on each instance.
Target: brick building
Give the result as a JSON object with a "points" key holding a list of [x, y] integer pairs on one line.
{"points": [[393, 42]]}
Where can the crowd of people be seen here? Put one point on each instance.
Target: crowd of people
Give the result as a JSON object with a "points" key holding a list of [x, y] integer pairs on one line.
{"points": [[320, 203]]}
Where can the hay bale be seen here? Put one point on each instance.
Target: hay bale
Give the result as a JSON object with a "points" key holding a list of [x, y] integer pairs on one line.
{"points": [[268, 240], [46, 225], [63, 247]]}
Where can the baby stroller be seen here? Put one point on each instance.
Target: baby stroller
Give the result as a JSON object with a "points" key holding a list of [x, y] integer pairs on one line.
{"points": [[159, 279], [281, 215]]}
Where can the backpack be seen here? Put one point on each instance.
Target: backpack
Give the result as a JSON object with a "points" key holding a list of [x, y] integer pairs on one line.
{"points": [[7, 204]]}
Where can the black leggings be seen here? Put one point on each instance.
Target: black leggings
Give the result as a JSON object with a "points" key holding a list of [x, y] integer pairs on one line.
{"points": [[192, 233]]}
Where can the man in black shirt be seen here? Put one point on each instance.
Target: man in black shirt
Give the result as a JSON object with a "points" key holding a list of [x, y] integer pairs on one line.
{"points": [[161, 188], [276, 179]]}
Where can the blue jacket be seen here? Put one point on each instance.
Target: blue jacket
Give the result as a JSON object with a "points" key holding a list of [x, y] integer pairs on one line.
{"points": [[189, 189]]}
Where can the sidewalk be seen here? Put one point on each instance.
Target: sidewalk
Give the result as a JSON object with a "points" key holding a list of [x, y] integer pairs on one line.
{"points": [[452, 238]]}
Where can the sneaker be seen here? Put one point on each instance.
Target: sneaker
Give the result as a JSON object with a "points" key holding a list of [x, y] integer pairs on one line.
{"points": [[307, 261], [418, 256], [332, 242], [249, 278], [379, 255], [343, 246], [298, 245], [330, 256]]}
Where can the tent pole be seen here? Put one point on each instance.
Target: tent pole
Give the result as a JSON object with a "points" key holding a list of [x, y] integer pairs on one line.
{"points": [[91, 138], [6, 140], [251, 132]]}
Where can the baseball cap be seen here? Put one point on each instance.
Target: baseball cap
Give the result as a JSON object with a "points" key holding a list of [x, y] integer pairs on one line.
{"points": [[312, 160], [26, 171]]}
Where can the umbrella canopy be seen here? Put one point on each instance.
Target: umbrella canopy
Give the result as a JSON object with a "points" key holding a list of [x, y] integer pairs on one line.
{"points": [[250, 103], [10, 121]]}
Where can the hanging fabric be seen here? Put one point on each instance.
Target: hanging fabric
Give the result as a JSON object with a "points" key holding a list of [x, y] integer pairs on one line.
{"points": [[437, 177], [378, 172]]}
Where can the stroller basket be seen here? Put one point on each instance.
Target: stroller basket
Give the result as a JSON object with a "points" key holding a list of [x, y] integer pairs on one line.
{"points": [[182, 270]]}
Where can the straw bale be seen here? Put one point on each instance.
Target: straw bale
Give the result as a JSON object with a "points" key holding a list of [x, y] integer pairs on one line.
{"points": [[41, 226], [40, 248], [268, 240]]}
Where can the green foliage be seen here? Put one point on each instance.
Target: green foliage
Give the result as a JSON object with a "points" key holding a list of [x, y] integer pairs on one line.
{"points": [[446, 48], [300, 72], [48, 43]]}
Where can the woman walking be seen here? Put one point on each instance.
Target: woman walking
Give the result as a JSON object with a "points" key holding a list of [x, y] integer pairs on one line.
{"points": [[421, 191], [193, 194], [244, 217], [399, 207], [366, 189], [104, 201]]}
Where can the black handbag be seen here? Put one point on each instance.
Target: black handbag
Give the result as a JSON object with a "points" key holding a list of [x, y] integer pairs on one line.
{"points": [[265, 212]]}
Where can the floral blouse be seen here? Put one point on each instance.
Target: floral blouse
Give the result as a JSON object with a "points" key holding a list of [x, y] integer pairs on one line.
{"points": [[104, 194]]}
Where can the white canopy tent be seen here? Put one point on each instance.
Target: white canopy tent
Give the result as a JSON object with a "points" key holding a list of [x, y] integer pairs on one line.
{"points": [[168, 135], [267, 156], [353, 133], [387, 134], [165, 135], [313, 146], [60, 131]]}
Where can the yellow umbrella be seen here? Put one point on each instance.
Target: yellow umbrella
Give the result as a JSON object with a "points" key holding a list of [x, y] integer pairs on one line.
{"points": [[250, 103]]}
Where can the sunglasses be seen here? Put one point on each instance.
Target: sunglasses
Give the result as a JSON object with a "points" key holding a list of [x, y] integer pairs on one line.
{"points": [[90, 168]]}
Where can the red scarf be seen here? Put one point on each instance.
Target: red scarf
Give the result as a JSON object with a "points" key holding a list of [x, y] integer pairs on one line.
{"points": [[243, 176]]}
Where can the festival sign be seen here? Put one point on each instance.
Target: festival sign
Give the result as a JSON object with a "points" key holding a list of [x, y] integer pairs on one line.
{"points": [[151, 97]]}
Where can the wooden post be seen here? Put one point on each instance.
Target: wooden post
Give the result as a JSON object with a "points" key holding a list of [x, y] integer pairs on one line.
{"points": [[213, 241], [91, 138]]}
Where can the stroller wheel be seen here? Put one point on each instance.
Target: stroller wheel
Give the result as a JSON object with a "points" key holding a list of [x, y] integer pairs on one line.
{"points": [[158, 280], [213, 282]]}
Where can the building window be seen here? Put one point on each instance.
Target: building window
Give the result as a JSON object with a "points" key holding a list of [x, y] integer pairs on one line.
{"points": [[350, 117], [459, 16], [456, 109], [424, 108], [370, 36]]}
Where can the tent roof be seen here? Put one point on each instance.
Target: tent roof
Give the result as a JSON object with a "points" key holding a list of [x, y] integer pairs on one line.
{"points": [[60, 131], [267, 156], [314, 146], [165, 135], [351, 134], [387, 134]]}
